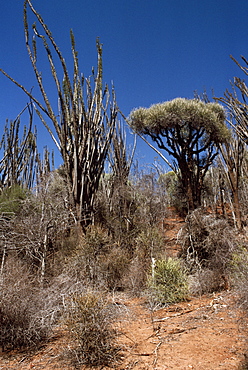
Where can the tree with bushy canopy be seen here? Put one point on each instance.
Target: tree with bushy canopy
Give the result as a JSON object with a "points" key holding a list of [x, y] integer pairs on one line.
{"points": [[189, 130]]}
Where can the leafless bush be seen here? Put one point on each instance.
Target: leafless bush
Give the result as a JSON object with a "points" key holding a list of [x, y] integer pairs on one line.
{"points": [[205, 280], [135, 279], [89, 322], [114, 267], [33, 224], [152, 196], [239, 269], [207, 247], [26, 313]]}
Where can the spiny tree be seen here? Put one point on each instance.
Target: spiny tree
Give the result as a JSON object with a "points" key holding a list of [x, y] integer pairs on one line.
{"points": [[115, 200], [189, 131], [18, 165], [120, 159], [236, 102], [85, 122], [232, 155], [233, 152]]}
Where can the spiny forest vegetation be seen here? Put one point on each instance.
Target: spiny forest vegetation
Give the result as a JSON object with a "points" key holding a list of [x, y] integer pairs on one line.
{"points": [[95, 225]]}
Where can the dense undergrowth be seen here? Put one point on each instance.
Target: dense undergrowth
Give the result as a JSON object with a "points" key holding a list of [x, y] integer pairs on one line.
{"points": [[54, 274]]}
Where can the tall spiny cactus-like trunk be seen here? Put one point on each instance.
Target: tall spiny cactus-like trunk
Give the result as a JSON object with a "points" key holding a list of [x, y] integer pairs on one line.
{"points": [[19, 163], [83, 128]]}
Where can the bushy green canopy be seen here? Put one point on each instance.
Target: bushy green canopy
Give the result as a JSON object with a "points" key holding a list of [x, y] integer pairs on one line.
{"points": [[189, 131], [181, 113]]}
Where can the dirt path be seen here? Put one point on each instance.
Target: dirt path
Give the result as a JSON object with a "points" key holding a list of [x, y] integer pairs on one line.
{"points": [[203, 334]]}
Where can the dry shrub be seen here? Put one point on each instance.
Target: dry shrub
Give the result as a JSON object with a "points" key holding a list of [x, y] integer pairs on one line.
{"points": [[239, 269], [135, 279], [207, 245], [25, 319], [113, 268], [240, 280], [204, 281], [98, 261], [83, 264], [89, 321]]}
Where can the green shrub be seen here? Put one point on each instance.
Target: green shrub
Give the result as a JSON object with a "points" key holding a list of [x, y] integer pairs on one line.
{"points": [[89, 322], [168, 281], [11, 199]]}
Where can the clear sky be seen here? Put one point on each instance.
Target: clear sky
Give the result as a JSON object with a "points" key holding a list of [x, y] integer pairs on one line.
{"points": [[153, 50]]}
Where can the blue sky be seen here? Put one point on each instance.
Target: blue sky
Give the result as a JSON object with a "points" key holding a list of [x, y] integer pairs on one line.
{"points": [[153, 51]]}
